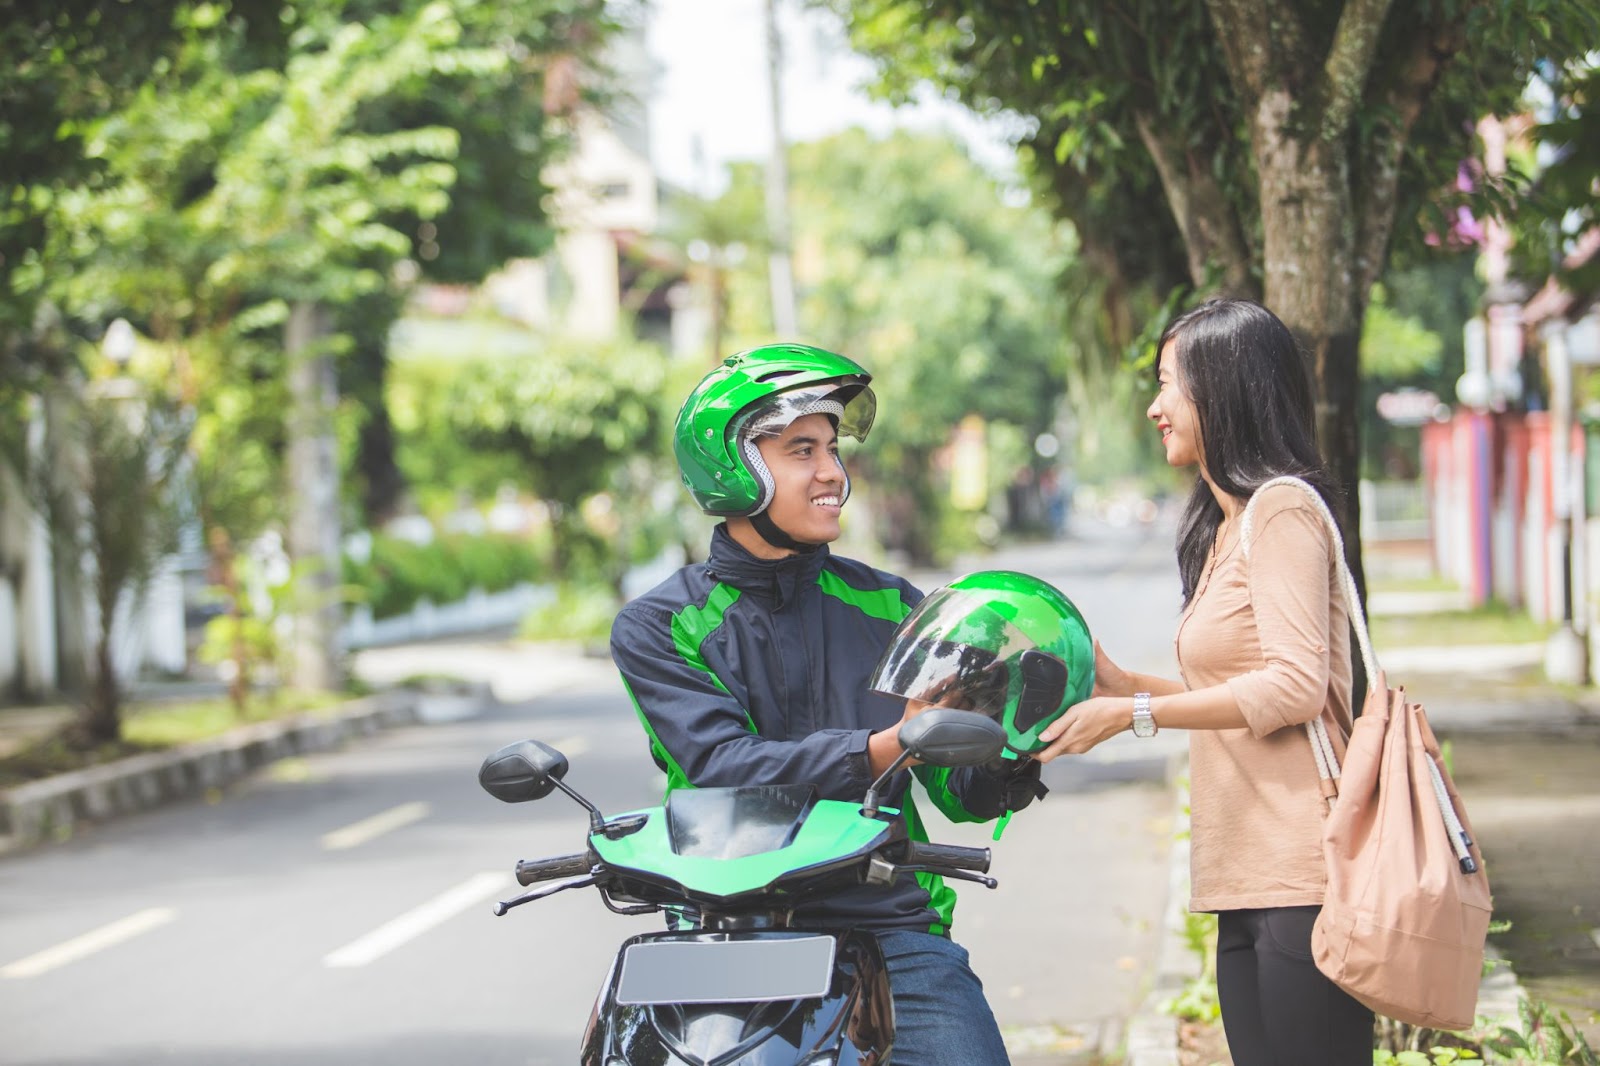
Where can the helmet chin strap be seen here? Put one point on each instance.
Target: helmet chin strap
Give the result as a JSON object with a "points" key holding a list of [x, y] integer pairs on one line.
{"points": [[776, 537]]}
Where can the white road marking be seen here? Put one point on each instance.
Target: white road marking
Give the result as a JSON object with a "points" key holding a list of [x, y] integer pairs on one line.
{"points": [[89, 943], [367, 829], [419, 920], [571, 746]]}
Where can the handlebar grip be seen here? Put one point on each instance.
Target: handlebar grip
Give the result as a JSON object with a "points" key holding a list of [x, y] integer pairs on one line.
{"points": [[532, 870], [947, 855]]}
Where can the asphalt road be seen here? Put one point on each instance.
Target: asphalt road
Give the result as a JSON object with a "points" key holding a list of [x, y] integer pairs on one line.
{"points": [[336, 909]]}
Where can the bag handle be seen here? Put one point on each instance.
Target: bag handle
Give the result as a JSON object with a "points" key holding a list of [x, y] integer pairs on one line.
{"points": [[1316, 732]]}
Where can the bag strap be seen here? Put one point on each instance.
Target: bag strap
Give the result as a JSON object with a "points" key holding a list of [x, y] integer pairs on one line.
{"points": [[1316, 732], [1321, 744]]}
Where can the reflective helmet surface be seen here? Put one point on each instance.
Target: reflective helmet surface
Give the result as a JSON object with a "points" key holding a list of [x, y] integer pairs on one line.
{"points": [[747, 392], [998, 642]]}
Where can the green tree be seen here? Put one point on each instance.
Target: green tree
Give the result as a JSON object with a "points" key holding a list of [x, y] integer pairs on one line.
{"points": [[116, 513], [1556, 231], [1293, 145], [910, 260], [559, 418]]}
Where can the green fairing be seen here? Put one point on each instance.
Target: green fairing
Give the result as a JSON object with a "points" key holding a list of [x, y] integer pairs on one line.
{"points": [[834, 830]]}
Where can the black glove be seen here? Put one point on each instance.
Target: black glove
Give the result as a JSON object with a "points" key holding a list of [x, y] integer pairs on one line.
{"points": [[1019, 781]]}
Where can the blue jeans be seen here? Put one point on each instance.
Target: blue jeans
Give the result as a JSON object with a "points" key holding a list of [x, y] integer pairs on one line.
{"points": [[940, 1015]]}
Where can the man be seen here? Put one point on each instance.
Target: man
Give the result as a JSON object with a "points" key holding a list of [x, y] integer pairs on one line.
{"points": [[753, 667]]}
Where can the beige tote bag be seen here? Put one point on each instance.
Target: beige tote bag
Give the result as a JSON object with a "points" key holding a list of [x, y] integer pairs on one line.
{"points": [[1406, 913]]}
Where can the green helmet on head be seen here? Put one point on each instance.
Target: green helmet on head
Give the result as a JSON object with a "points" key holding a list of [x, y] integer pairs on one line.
{"points": [[1001, 643], [760, 391]]}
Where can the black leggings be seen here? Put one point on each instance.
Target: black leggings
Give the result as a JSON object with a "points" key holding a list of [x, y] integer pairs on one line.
{"points": [[1277, 1007]]}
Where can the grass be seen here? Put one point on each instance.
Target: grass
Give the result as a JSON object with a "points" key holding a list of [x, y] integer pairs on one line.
{"points": [[153, 727], [1397, 583], [165, 725], [1491, 624]]}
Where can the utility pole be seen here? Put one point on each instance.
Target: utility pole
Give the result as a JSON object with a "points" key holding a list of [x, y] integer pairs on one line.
{"points": [[779, 266]]}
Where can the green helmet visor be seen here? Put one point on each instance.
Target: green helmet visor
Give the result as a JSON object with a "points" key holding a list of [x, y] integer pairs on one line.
{"points": [[852, 408], [955, 650]]}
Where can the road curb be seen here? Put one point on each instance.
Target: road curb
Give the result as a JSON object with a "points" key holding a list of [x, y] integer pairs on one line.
{"points": [[1152, 1035], [53, 807]]}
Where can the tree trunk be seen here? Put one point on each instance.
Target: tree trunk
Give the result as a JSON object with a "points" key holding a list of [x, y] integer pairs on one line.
{"points": [[363, 376], [102, 709], [313, 474], [1309, 252]]}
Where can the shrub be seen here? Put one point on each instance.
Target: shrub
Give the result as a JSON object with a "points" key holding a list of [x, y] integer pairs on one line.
{"points": [[579, 612], [399, 573]]}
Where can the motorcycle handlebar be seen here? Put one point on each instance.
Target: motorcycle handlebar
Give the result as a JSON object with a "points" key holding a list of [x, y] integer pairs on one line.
{"points": [[949, 856], [532, 870]]}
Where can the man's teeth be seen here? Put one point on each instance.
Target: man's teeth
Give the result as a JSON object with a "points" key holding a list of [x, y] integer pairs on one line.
{"points": [[826, 501]]}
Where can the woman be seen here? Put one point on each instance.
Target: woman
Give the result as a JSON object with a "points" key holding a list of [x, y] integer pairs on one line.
{"points": [[1263, 645]]}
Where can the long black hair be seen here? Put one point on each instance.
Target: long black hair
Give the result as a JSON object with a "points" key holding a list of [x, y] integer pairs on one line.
{"points": [[1253, 399]]}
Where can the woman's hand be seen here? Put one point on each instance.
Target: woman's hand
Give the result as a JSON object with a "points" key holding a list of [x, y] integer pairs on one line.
{"points": [[1109, 678], [1086, 724]]}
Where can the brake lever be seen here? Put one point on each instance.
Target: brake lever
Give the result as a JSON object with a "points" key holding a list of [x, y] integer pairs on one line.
{"points": [[961, 875], [540, 893]]}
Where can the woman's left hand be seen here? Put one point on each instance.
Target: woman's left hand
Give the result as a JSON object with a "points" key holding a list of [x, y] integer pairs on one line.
{"points": [[1086, 725]]}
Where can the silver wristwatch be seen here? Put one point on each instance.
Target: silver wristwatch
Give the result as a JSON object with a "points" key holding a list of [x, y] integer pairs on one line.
{"points": [[1144, 724]]}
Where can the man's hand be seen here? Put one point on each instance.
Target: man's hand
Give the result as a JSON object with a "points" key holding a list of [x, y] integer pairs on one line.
{"points": [[1085, 725], [883, 747]]}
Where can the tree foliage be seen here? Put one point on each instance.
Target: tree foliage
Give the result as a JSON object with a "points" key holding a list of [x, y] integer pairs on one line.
{"points": [[911, 261], [556, 419], [1294, 145]]}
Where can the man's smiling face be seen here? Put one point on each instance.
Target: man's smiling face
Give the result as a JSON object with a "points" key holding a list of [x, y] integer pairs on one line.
{"points": [[808, 479]]}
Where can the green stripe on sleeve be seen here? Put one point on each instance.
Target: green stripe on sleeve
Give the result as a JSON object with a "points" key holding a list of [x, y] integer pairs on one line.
{"points": [[690, 627]]}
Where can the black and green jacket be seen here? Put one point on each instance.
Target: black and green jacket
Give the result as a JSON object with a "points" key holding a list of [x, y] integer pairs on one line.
{"points": [[753, 671]]}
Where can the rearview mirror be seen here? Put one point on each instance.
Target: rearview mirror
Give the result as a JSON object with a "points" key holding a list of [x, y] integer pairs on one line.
{"points": [[944, 736], [526, 770]]}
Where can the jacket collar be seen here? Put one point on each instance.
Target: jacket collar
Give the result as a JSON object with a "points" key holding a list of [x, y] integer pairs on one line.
{"points": [[778, 580]]}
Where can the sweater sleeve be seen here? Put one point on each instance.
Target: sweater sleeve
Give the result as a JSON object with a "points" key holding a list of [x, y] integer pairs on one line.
{"points": [[700, 733], [1291, 555]]}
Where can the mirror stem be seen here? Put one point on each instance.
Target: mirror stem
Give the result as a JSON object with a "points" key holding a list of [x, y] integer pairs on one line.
{"points": [[597, 822], [869, 806]]}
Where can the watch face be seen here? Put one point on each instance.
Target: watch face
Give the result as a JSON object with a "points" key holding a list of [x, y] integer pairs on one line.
{"points": [[1144, 725]]}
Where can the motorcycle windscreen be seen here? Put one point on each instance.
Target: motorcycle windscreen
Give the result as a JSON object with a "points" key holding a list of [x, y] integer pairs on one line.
{"points": [[726, 971], [734, 823]]}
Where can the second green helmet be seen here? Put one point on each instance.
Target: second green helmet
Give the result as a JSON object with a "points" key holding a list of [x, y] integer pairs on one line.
{"points": [[751, 390], [998, 642]]}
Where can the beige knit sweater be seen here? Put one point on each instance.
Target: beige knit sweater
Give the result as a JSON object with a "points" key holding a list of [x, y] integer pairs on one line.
{"points": [[1275, 630]]}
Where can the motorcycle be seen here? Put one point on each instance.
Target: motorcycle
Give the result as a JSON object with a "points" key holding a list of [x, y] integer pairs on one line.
{"points": [[743, 985]]}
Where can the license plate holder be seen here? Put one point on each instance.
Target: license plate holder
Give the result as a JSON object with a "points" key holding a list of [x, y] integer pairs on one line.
{"points": [[726, 971]]}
